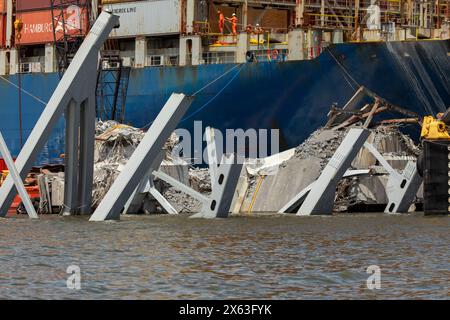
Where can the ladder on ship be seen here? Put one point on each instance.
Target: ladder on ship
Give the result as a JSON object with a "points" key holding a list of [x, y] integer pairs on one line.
{"points": [[112, 85]]}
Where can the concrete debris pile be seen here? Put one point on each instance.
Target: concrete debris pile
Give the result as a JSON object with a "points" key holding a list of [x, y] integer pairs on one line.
{"points": [[360, 193], [266, 184], [200, 180], [321, 144], [196, 178], [270, 187], [275, 180], [115, 143], [180, 201], [390, 139]]}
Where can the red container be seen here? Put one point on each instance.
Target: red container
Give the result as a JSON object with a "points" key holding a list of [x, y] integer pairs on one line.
{"points": [[2, 6], [2, 166], [33, 192], [38, 27], [2, 30], [29, 5]]}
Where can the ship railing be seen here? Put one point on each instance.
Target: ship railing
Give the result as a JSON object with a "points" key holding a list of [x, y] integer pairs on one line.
{"points": [[330, 20], [160, 60], [443, 10], [350, 4], [383, 4], [271, 3], [201, 27], [31, 67], [335, 4], [218, 57], [267, 55]]}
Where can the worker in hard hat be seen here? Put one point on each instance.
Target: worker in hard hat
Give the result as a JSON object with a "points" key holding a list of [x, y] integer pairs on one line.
{"points": [[221, 21], [258, 29], [233, 21]]}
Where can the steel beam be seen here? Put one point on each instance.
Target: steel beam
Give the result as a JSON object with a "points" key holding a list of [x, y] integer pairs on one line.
{"points": [[16, 178], [77, 84], [162, 201], [391, 171], [296, 201], [401, 189], [320, 199], [147, 185], [224, 174], [211, 149], [224, 187], [138, 194], [180, 186], [86, 150], [402, 192], [71, 161], [143, 158], [224, 178]]}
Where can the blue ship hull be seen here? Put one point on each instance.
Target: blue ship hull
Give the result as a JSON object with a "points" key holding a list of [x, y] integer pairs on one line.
{"points": [[294, 97]]}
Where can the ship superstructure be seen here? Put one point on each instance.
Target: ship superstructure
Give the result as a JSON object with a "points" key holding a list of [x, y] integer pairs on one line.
{"points": [[187, 32], [277, 64]]}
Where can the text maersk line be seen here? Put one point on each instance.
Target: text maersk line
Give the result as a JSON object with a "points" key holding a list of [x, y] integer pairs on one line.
{"points": [[124, 10], [128, 9], [228, 309]]}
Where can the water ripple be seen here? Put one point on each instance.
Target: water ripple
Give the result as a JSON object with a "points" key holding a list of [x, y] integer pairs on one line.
{"points": [[164, 257]]}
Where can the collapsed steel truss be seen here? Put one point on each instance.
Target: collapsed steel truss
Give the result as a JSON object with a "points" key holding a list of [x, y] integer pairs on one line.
{"points": [[75, 98]]}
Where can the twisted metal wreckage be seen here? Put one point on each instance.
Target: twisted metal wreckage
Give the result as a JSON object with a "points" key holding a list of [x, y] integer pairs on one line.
{"points": [[75, 97]]}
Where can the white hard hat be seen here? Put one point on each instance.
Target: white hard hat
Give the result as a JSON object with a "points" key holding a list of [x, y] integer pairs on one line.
{"points": [[234, 14]]}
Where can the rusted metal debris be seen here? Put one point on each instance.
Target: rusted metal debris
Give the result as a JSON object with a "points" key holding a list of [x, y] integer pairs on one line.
{"points": [[351, 113], [400, 121], [368, 116]]}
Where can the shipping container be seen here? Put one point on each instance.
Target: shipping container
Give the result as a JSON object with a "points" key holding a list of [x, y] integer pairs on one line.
{"points": [[2, 30], [118, 1], [38, 28], [2, 23], [146, 18], [30, 5], [3, 166]]}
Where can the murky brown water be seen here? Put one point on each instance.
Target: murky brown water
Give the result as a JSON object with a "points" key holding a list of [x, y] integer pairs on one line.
{"points": [[161, 257]]}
